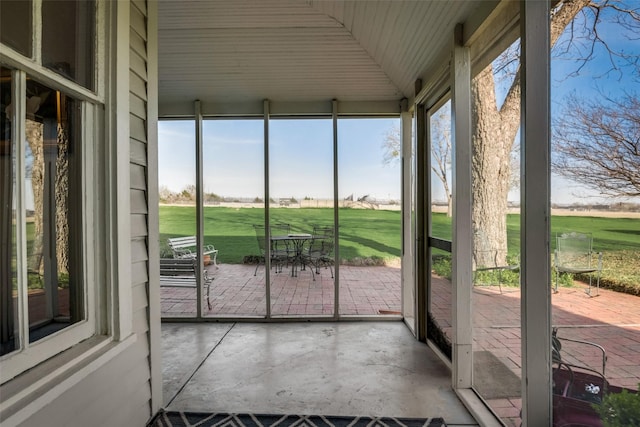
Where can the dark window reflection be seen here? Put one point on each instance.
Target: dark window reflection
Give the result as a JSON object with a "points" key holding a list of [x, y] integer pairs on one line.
{"points": [[52, 203], [16, 25], [68, 35], [9, 326]]}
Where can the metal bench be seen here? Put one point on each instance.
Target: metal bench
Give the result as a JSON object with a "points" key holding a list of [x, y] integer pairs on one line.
{"points": [[186, 248], [182, 272]]}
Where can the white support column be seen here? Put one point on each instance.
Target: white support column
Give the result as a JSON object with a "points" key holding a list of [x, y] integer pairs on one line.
{"points": [[155, 330], [423, 218], [336, 211], [267, 219], [536, 214], [19, 141], [199, 208], [119, 191], [408, 266], [462, 241]]}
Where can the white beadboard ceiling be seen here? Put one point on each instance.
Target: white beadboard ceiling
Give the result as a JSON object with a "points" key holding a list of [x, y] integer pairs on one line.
{"points": [[239, 51]]}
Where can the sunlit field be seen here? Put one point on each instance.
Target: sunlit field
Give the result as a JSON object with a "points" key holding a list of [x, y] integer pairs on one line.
{"points": [[373, 236]]}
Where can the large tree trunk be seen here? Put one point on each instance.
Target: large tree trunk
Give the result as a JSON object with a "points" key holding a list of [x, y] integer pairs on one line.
{"points": [[494, 134], [34, 134], [35, 138], [61, 197]]}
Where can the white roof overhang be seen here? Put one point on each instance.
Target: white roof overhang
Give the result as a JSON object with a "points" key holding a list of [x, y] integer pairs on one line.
{"points": [[302, 54]]}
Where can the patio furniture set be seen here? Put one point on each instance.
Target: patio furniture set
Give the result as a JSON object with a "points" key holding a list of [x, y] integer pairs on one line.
{"points": [[296, 250]]}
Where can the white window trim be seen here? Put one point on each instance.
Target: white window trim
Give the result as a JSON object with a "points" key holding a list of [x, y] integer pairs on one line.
{"points": [[107, 328], [29, 354]]}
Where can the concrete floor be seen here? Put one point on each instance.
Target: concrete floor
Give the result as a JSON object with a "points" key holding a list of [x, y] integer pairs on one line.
{"points": [[350, 368]]}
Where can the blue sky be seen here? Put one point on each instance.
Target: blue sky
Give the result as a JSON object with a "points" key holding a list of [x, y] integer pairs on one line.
{"points": [[595, 79], [301, 158]]}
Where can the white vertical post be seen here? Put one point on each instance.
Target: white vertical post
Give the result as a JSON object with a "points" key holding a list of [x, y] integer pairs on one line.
{"points": [[336, 217], [19, 141], [408, 272], [462, 239], [120, 158], [536, 214], [267, 219], [155, 330], [423, 219], [199, 208]]}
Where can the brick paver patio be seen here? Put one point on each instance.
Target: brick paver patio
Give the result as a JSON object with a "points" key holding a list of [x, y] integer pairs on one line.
{"points": [[611, 320], [235, 292]]}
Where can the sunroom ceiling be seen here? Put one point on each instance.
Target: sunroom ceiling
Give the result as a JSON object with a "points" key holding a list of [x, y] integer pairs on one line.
{"points": [[244, 51]]}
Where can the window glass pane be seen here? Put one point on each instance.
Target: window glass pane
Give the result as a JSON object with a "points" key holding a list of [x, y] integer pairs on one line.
{"points": [[53, 221], [301, 204], [9, 325], [68, 34], [16, 25], [595, 217], [177, 215], [439, 317], [496, 298], [370, 219], [233, 156]]}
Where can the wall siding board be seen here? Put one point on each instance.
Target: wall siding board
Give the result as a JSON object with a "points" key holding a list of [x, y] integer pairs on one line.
{"points": [[137, 176], [139, 273], [140, 296], [138, 65], [138, 250], [138, 414], [138, 45], [138, 152], [141, 323], [138, 202], [139, 226], [138, 85], [138, 22], [141, 5], [138, 106], [138, 128]]}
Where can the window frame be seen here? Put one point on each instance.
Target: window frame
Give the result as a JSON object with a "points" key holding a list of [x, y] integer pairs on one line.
{"points": [[95, 177]]}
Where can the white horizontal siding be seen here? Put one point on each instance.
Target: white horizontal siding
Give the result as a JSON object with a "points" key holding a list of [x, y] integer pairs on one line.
{"points": [[138, 44], [139, 273], [139, 226], [138, 250], [138, 127], [139, 409], [138, 202], [137, 176], [138, 152], [138, 106]]}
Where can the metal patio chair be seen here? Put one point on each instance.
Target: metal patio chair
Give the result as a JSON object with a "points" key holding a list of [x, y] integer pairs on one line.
{"points": [[320, 250], [489, 261], [574, 254]]}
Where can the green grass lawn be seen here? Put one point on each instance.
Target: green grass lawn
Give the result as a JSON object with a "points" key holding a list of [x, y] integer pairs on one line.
{"points": [[363, 233], [375, 234]]}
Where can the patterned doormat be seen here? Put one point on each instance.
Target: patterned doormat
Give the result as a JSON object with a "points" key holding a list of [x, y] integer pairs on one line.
{"points": [[200, 419]]}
